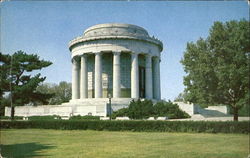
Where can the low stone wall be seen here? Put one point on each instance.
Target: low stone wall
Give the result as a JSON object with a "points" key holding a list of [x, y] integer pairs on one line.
{"points": [[188, 108], [83, 107], [211, 111], [43, 110], [222, 109]]}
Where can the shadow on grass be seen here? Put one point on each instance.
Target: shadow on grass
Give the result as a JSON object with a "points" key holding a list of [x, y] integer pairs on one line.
{"points": [[24, 150]]}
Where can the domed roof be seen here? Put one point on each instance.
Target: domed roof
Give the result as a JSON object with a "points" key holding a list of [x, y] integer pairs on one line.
{"points": [[115, 29]]}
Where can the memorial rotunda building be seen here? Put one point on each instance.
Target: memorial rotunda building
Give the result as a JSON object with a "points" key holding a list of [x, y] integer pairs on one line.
{"points": [[117, 59], [114, 60]]}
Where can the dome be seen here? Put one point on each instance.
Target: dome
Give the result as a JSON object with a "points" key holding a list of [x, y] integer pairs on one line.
{"points": [[115, 29]]}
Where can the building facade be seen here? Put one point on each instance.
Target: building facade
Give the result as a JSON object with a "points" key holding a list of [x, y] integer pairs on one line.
{"points": [[117, 59]]}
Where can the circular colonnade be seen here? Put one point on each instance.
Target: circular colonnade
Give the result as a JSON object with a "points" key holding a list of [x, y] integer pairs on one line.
{"points": [[117, 59]]}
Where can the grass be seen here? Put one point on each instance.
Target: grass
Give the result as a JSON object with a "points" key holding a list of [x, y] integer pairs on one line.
{"points": [[25, 143]]}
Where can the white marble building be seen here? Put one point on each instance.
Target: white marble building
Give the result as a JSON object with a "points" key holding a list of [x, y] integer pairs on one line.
{"points": [[120, 60]]}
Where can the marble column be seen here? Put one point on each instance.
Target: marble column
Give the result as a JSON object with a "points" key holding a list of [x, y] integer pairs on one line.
{"points": [[84, 78], [75, 79], [98, 75], [149, 87], [116, 75], [156, 81], [134, 76]]}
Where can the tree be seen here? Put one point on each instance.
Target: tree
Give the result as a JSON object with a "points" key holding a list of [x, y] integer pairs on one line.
{"points": [[16, 78], [5, 101], [62, 92], [218, 67], [181, 97]]}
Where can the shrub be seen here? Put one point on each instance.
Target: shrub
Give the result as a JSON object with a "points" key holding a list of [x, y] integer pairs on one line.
{"points": [[169, 109], [140, 109], [87, 117], [140, 126], [120, 113], [145, 109]]}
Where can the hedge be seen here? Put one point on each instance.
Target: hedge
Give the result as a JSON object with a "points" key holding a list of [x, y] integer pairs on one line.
{"points": [[8, 118], [48, 117], [140, 126], [38, 118]]}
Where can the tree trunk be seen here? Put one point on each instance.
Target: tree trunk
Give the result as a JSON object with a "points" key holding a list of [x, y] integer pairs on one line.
{"points": [[12, 112], [235, 114]]}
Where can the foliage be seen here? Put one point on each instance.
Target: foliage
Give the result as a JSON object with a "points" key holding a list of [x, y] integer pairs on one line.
{"points": [[78, 117], [62, 92], [181, 97], [120, 113], [140, 109], [140, 126], [36, 118], [218, 67], [170, 110], [245, 110], [4, 101], [15, 77], [145, 109], [8, 118]]}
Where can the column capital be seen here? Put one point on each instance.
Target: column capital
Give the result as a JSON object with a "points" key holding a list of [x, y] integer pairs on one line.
{"points": [[98, 53], [75, 59], [134, 54], [155, 58], [116, 52], [84, 55], [148, 55], [75, 62], [148, 61]]}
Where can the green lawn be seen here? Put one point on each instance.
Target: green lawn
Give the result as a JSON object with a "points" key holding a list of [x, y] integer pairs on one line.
{"points": [[24, 143]]}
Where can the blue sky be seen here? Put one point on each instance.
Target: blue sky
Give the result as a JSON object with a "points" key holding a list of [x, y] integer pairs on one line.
{"points": [[46, 27]]}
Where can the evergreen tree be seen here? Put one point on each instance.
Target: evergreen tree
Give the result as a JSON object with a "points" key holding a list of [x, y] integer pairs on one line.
{"points": [[218, 67], [16, 78]]}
